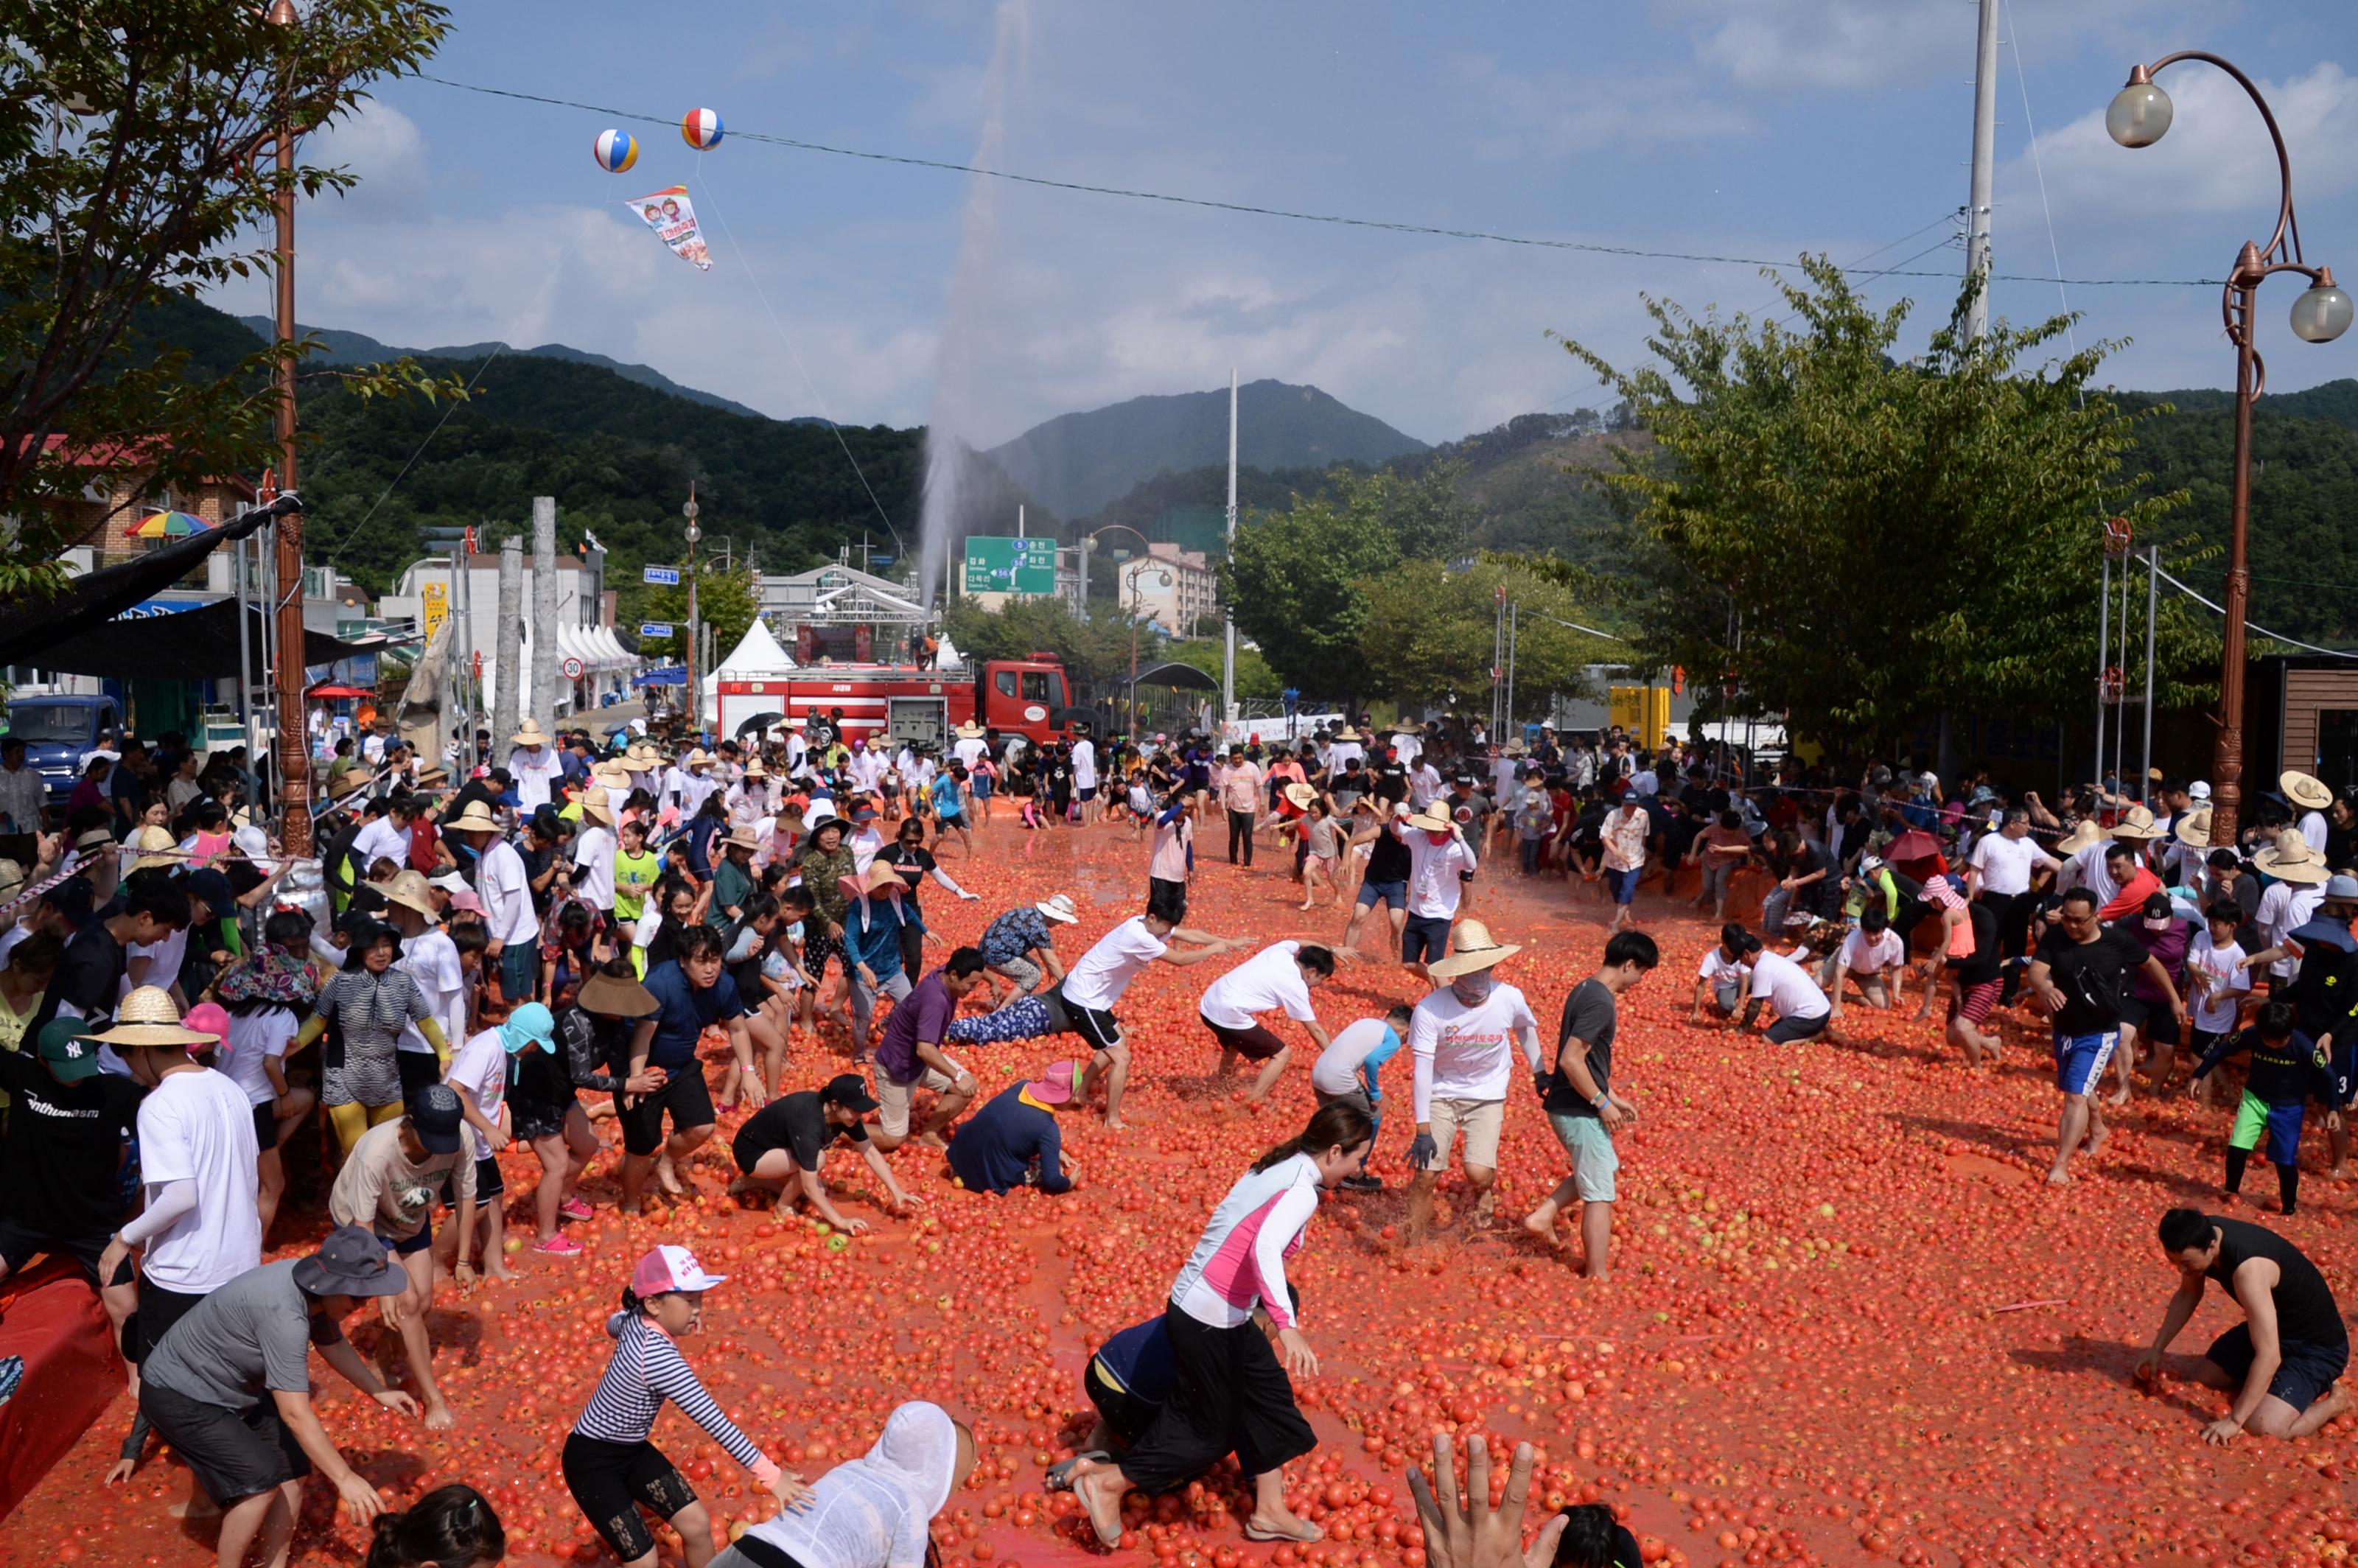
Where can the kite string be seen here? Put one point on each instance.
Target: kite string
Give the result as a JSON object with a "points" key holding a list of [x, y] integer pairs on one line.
{"points": [[713, 205]]}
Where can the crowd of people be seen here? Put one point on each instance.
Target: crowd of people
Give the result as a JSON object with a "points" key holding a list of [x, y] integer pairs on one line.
{"points": [[519, 949]]}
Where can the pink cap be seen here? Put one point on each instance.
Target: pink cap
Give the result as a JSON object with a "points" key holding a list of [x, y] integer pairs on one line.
{"points": [[1053, 1086], [465, 899], [671, 1269], [207, 1018]]}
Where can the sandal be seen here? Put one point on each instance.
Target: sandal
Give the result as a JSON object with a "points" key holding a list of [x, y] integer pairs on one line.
{"points": [[1060, 1475]]}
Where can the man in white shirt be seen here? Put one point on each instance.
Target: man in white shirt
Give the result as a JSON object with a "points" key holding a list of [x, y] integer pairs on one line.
{"points": [[384, 836], [971, 745], [1462, 1040], [1096, 982], [1801, 1008], [501, 884], [1440, 864], [1999, 875], [2300, 876], [533, 764], [867, 766], [593, 856], [1867, 955], [690, 782], [1281, 976], [1085, 772], [1424, 785], [2310, 798]]}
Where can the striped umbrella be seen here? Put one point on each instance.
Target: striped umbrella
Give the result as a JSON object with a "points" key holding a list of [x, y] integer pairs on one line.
{"points": [[166, 525]]}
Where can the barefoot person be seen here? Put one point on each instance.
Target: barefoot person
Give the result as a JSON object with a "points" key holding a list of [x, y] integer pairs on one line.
{"points": [[1280, 976], [2081, 974], [1462, 1039], [230, 1388], [909, 1055], [1230, 1392], [782, 1149], [1093, 988], [2282, 1361], [691, 994], [1580, 1105]]}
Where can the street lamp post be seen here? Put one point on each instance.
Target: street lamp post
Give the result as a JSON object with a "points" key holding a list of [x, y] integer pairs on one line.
{"points": [[2137, 117], [694, 534]]}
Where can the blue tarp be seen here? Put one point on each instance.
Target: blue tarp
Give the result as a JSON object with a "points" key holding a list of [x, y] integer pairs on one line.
{"points": [[670, 675]]}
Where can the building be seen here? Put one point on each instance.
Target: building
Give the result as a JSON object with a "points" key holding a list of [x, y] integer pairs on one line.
{"points": [[1171, 587], [429, 591]]}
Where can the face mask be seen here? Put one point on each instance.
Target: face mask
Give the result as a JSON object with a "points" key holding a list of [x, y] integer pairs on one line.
{"points": [[1471, 990], [1436, 838]]}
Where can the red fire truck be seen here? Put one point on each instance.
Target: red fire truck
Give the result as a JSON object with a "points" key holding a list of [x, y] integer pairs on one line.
{"points": [[903, 704]]}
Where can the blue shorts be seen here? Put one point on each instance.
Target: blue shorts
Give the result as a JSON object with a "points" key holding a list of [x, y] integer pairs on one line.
{"points": [[1391, 895], [2080, 1059], [1425, 938], [2307, 1371], [979, 786], [1624, 883]]}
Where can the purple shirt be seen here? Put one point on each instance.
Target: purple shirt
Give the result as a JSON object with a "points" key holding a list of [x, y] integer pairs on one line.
{"points": [[2169, 945], [926, 1016]]}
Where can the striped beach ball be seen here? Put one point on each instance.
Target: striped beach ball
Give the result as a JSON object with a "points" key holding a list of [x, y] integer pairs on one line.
{"points": [[701, 129], [617, 151]]}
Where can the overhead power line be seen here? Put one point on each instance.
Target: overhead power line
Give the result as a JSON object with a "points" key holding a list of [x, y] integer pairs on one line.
{"points": [[1252, 209]]}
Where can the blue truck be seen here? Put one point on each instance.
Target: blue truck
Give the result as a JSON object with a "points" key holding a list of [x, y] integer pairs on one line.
{"points": [[57, 731]]}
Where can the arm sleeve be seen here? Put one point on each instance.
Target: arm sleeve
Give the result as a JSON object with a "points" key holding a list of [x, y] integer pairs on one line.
{"points": [[1376, 1059], [1421, 1042], [943, 876], [668, 1373], [1278, 1233], [166, 1202], [1052, 1152]]}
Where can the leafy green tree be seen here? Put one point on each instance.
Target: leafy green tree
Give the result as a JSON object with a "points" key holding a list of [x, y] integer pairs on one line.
{"points": [[1096, 651], [1894, 539], [1255, 680], [1431, 632], [127, 178]]}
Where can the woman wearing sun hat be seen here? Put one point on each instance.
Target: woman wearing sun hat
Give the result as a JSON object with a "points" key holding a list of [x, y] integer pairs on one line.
{"points": [[2311, 798], [1014, 1141], [610, 1467]]}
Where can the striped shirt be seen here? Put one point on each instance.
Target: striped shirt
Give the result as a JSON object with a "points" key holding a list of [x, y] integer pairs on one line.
{"points": [[1241, 1263], [647, 1369]]}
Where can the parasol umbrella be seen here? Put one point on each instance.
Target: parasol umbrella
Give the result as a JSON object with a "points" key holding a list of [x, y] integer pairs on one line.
{"points": [[759, 721], [1913, 845], [332, 692], [166, 525]]}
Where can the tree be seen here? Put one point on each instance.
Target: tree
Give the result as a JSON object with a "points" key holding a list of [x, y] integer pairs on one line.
{"points": [[1862, 543], [1095, 651], [128, 177], [1255, 680], [727, 601], [1429, 635]]}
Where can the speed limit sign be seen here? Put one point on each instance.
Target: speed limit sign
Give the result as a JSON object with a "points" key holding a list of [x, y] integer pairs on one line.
{"points": [[572, 668]]}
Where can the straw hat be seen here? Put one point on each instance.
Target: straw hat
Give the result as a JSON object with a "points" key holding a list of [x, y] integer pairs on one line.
{"points": [[147, 1017], [2085, 836], [602, 993], [882, 878], [970, 730], [11, 880], [2137, 824], [2193, 828], [411, 891], [154, 846], [2303, 791], [611, 771], [596, 807], [698, 757], [95, 839], [529, 734], [1058, 908], [2292, 861], [476, 818], [1432, 819], [1470, 948], [741, 839], [642, 755], [1348, 733], [1301, 795], [754, 770]]}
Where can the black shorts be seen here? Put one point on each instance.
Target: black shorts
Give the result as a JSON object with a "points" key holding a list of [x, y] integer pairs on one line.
{"points": [[1128, 1415], [612, 1481], [748, 1147], [266, 1127], [684, 1095], [157, 1310], [20, 1243], [2307, 1371], [1425, 938], [1166, 899], [1101, 1029], [1256, 1044], [2161, 1025], [1786, 1031], [533, 1119], [419, 1069], [489, 1187], [233, 1454]]}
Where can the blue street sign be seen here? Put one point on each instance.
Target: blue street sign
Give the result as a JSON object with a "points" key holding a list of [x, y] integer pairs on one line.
{"points": [[655, 628], [666, 577]]}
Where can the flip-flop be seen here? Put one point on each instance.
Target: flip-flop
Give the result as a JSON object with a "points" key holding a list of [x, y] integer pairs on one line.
{"points": [[1060, 1475], [1254, 1533]]}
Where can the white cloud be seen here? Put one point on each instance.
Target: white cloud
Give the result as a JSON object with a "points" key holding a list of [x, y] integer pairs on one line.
{"points": [[384, 148], [1558, 114]]}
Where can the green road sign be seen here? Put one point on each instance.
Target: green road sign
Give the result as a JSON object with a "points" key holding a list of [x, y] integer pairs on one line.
{"points": [[1009, 566]]}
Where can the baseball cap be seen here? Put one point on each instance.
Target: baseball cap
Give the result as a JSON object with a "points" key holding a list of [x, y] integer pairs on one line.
{"points": [[435, 1117], [70, 1056], [2200, 789], [848, 1090], [668, 1268]]}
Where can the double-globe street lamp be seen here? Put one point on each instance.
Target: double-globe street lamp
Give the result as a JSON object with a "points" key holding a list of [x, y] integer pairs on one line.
{"points": [[2138, 116]]}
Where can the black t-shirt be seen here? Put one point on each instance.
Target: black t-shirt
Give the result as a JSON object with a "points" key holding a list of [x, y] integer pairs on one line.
{"points": [[914, 864], [88, 978], [64, 1153], [1391, 782], [2092, 977], [796, 1124], [1588, 1014], [2305, 1312], [1388, 857]]}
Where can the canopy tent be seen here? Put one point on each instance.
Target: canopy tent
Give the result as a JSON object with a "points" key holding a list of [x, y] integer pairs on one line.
{"points": [[757, 653], [195, 645], [1186, 677], [670, 675], [617, 656], [30, 629]]}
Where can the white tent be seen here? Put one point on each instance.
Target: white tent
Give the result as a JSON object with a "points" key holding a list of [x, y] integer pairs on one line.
{"points": [[491, 682], [757, 653], [948, 656]]}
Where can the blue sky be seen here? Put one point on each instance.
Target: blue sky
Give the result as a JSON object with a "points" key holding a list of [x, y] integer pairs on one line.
{"points": [[1753, 128]]}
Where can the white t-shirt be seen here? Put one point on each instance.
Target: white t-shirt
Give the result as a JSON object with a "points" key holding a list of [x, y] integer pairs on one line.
{"points": [[866, 845], [593, 856], [2087, 871], [253, 1036], [2216, 1011], [506, 893], [200, 1127], [481, 1067], [163, 960], [1863, 957], [1432, 874], [971, 751], [1788, 987], [535, 771], [1270, 979], [432, 960], [381, 839], [1466, 1052], [2313, 830], [2005, 863], [1085, 764], [1717, 966], [1106, 971], [2286, 906], [1337, 1071]]}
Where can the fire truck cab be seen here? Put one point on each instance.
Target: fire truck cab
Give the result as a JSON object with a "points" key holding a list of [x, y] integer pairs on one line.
{"points": [[899, 705]]}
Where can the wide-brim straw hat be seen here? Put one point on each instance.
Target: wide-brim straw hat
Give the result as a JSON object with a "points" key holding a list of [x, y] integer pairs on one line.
{"points": [[2137, 823], [476, 818], [754, 770], [742, 839], [410, 889], [2292, 861], [642, 755], [970, 730], [1058, 907], [698, 757], [2085, 836], [1471, 948], [610, 772], [602, 993], [2304, 791], [1432, 820], [148, 1019], [528, 734], [155, 846], [598, 808], [2193, 828], [1348, 733], [882, 878], [1301, 795]]}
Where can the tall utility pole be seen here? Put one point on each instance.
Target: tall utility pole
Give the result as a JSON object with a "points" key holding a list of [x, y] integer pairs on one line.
{"points": [[294, 752], [694, 534], [507, 695], [1978, 206], [1228, 611], [545, 649]]}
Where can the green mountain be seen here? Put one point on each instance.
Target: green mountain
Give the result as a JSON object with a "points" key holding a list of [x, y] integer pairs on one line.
{"points": [[339, 347], [1077, 463]]}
